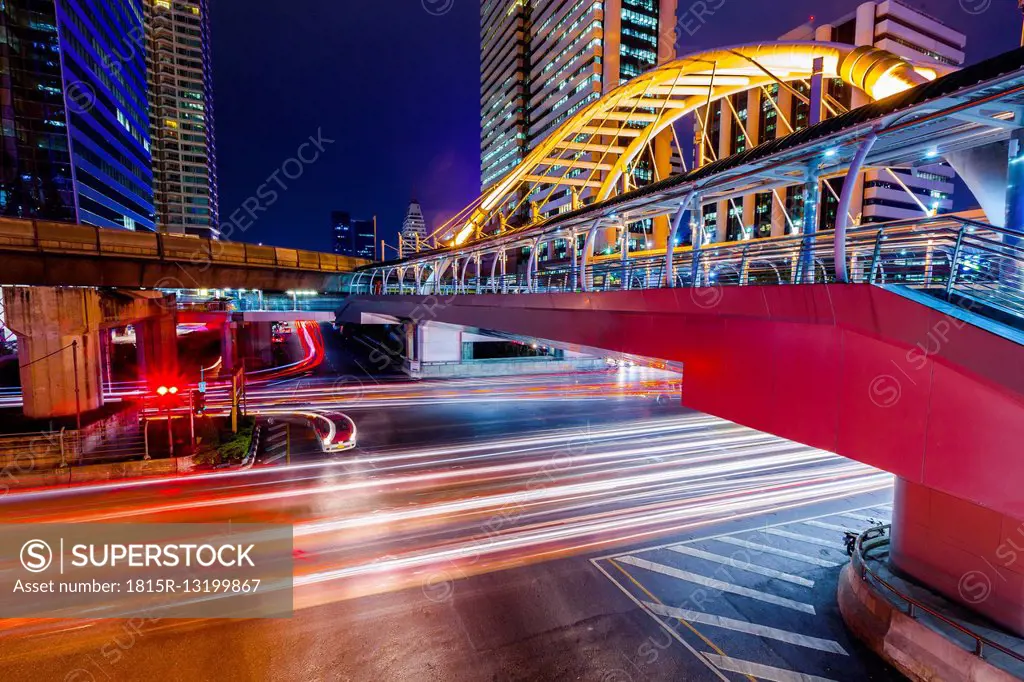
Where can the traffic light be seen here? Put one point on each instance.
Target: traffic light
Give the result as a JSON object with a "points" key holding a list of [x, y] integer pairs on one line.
{"points": [[167, 397], [198, 402]]}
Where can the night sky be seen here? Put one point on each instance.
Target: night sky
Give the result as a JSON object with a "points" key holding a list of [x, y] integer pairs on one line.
{"points": [[395, 85]]}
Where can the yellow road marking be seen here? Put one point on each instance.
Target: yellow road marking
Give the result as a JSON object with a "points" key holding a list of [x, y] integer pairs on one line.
{"points": [[684, 622]]}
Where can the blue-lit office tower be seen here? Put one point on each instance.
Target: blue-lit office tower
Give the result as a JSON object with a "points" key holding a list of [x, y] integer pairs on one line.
{"points": [[104, 60], [353, 237], [74, 113], [35, 164]]}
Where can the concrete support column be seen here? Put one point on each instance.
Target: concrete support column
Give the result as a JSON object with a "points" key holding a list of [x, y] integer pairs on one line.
{"points": [[156, 345], [411, 339], [256, 340], [970, 554], [58, 332], [228, 346], [106, 363]]}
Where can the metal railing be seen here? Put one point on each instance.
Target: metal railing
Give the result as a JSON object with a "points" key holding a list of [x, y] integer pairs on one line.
{"points": [[263, 302], [878, 536], [946, 256]]}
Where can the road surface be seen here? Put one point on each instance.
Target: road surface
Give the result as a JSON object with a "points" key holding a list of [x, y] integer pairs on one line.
{"points": [[516, 529]]}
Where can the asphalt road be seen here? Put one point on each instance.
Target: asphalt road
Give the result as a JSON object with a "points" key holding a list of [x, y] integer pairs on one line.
{"points": [[502, 530]]}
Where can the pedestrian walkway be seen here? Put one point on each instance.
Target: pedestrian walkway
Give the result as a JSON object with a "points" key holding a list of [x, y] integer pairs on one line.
{"points": [[757, 604]]}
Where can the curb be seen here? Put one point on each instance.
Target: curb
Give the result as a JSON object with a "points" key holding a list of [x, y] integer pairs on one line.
{"points": [[913, 648]]}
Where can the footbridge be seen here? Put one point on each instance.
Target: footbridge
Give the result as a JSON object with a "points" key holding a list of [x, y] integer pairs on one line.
{"points": [[898, 345]]}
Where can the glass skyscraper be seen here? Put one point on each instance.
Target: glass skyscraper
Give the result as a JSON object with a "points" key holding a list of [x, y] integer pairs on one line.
{"points": [[542, 61], [74, 112], [35, 163], [354, 237]]}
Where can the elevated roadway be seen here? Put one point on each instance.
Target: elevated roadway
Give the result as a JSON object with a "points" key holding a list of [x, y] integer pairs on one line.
{"points": [[39, 253]]}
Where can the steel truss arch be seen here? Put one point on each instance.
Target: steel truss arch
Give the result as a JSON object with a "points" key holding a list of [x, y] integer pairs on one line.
{"points": [[594, 149]]}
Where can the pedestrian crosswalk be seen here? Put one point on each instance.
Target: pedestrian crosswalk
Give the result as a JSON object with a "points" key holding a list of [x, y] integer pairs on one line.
{"points": [[757, 604]]}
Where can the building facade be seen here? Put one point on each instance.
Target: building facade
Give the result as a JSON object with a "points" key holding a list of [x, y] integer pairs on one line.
{"points": [[749, 118], [542, 61], [35, 164], [414, 227], [73, 113], [353, 237], [182, 125]]}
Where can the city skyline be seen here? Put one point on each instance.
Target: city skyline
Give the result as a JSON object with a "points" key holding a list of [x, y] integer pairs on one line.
{"points": [[709, 373], [426, 144]]}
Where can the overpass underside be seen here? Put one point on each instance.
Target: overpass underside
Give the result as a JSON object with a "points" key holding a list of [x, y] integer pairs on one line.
{"points": [[884, 376]]}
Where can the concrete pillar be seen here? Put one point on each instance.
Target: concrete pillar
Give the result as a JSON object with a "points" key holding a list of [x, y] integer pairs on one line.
{"points": [[228, 346], [156, 345], [256, 341], [411, 346], [47, 322], [106, 364], [970, 554]]}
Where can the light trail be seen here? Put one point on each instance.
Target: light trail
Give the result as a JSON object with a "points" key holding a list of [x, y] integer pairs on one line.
{"points": [[402, 516]]}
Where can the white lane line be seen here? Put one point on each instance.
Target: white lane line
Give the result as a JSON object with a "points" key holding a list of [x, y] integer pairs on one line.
{"points": [[768, 549], [741, 565], [665, 626], [762, 672], [786, 636], [716, 584], [702, 538], [862, 517], [805, 538], [830, 526]]}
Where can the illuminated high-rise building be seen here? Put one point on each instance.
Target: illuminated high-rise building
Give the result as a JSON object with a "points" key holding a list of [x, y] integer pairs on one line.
{"points": [[414, 227], [541, 61], [354, 237], [181, 111], [749, 118], [73, 113]]}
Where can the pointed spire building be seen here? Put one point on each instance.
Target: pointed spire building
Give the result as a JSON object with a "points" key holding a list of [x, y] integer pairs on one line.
{"points": [[414, 225]]}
